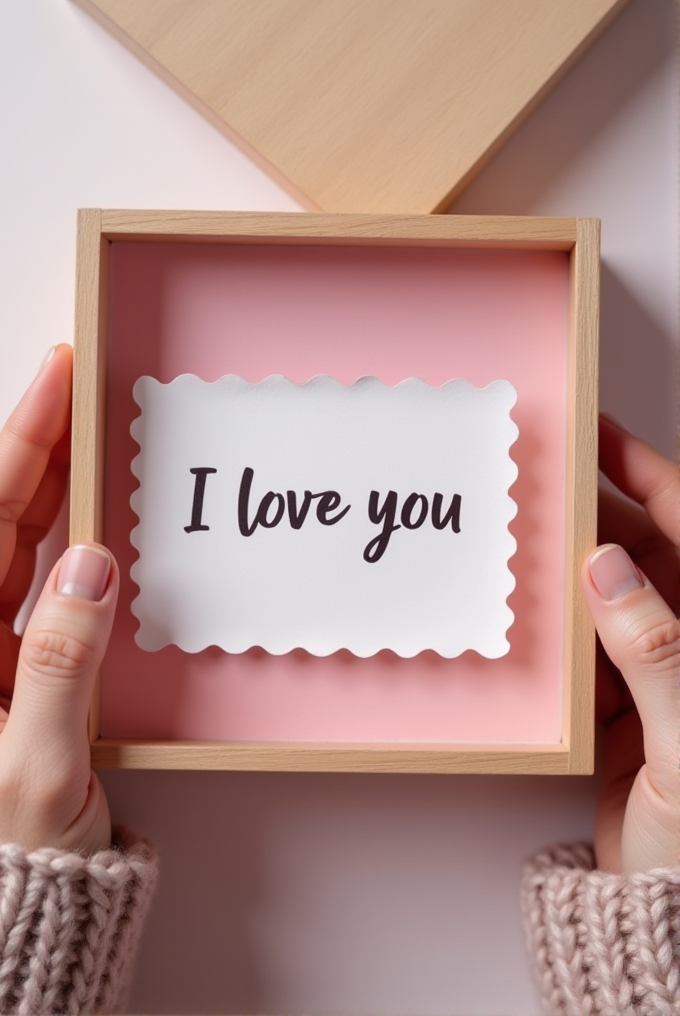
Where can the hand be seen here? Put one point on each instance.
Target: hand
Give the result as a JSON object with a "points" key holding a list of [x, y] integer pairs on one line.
{"points": [[48, 793], [634, 601]]}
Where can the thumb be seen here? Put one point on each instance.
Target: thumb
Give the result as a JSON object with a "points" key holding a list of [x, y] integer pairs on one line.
{"points": [[45, 739], [641, 636]]}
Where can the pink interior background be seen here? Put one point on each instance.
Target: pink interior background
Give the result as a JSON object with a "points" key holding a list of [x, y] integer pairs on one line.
{"points": [[392, 313]]}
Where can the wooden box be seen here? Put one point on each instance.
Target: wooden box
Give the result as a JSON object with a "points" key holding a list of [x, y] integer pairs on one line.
{"points": [[165, 293]]}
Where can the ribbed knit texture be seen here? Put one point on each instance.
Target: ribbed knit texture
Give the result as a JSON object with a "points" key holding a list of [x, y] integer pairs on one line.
{"points": [[69, 926], [602, 943]]}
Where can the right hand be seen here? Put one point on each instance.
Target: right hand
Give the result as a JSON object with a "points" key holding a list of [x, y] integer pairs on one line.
{"points": [[49, 796], [632, 584]]}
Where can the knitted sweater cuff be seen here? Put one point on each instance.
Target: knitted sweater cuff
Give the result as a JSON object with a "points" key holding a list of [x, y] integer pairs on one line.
{"points": [[601, 942], [69, 925]]}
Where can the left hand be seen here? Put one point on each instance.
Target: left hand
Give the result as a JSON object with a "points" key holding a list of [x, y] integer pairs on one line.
{"points": [[49, 797]]}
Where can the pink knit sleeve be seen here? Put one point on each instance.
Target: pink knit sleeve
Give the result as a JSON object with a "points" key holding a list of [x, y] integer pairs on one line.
{"points": [[602, 943], [69, 926]]}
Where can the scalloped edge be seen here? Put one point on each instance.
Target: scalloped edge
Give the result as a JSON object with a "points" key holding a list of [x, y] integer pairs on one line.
{"points": [[284, 649]]}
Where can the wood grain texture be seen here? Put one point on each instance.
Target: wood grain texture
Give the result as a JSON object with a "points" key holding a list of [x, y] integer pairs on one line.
{"points": [[499, 231], [267, 756], [362, 105], [98, 228], [88, 407], [86, 521], [581, 504]]}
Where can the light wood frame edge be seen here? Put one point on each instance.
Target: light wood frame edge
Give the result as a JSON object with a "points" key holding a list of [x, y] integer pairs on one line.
{"points": [[528, 232], [97, 228], [266, 756], [89, 396], [581, 468]]}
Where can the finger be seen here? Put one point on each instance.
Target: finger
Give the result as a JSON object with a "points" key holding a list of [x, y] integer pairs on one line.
{"points": [[642, 638], [643, 474], [10, 644], [62, 648], [622, 521], [32, 528], [26, 445], [612, 694]]}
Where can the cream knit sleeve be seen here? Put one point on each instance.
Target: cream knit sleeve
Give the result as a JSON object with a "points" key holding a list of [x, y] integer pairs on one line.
{"points": [[69, 926], [602, 943]]}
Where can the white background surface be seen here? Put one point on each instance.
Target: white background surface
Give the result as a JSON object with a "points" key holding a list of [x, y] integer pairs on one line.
{"points": [[338, 893]]}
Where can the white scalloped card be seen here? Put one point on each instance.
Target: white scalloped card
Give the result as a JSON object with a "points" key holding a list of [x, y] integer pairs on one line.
{"points": [[324, 516]]}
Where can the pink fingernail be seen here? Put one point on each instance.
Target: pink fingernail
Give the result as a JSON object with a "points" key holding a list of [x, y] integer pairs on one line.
{"points": [[84, 572], [47, 359], [615, 420], [613, 573]]}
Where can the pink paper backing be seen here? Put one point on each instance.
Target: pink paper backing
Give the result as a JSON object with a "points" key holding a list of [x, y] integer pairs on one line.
{"points": [[393, 313]]}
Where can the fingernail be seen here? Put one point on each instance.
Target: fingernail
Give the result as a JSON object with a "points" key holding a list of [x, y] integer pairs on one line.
{"points": [[47, 359], [613, 573], [615, 420], [84, 572]]}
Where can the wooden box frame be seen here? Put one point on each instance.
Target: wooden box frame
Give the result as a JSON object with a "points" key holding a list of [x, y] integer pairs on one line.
{"points": [[97, 229]]}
